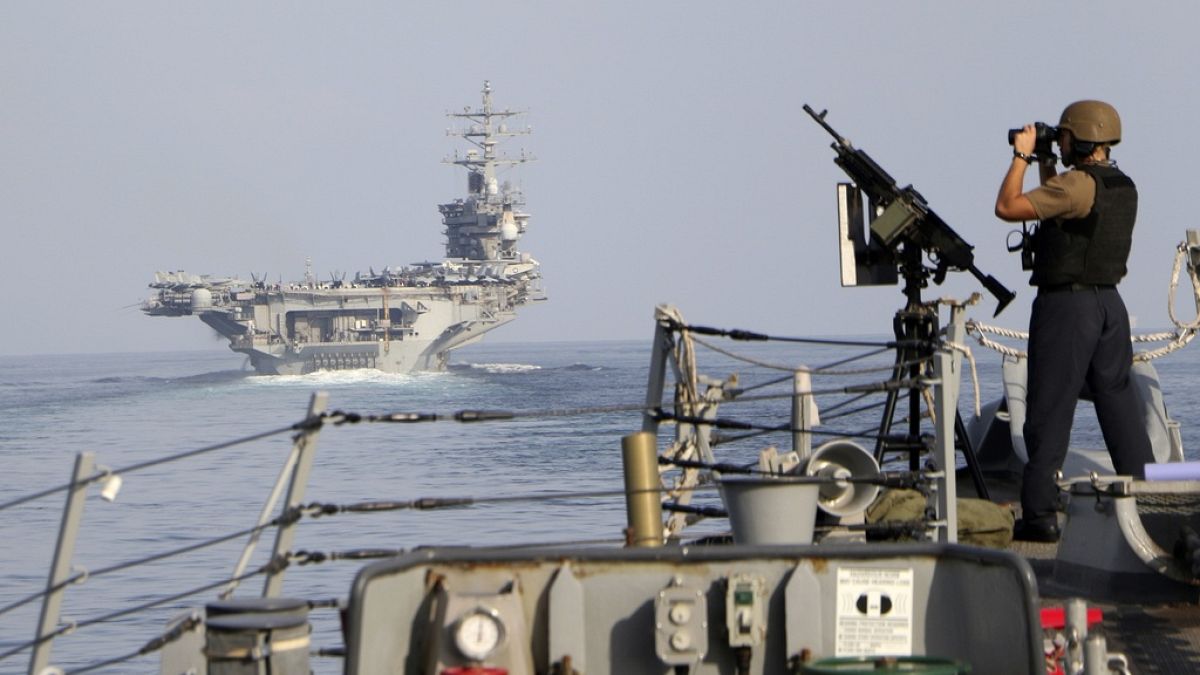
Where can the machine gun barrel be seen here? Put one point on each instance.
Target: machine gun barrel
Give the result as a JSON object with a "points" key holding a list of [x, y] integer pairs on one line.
{"points": [[867, 175], [905, 218]]}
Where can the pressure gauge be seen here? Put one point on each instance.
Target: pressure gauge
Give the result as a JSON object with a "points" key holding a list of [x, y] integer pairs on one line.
{"points": [[478, 633]]}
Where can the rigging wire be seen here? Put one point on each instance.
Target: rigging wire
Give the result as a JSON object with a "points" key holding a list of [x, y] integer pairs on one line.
{"points": [[751, 336], [323, 509], [464, 416], [176, 632], [468, 416], [819, 370], [338, 418], [841, 404], [320, 509], [75, 578], [908, 479], [153, 645], [723, 423], [305, 425], [274, 565], [290, 517], [304, 557]]}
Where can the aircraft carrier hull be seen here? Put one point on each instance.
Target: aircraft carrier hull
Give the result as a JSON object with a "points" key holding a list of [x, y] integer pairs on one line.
{"points": [[401, 319], [299, 332]]}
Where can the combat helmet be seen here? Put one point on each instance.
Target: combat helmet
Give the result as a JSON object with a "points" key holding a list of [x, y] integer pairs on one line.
{"points": [[1092, 121]]}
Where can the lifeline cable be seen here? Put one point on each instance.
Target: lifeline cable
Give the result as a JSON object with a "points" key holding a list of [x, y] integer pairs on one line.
{"points": [[898, 480], [470, 416], [303, 558], [751, 336], [172, 635], [819, 370], [75, 578], [825, 415], [323, 509], [287, 518], [721, 439], [723, 423], [152, 646], [339, 418], [278, 563], [319, 509], [299, 426]]}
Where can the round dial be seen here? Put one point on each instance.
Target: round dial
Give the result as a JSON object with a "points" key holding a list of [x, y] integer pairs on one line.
{"points": [[478, 633]]}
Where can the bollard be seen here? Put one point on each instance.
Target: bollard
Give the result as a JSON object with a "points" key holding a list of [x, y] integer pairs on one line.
{"points": [[260, 606], [1076, 632], [257, 636], [643, 505], [1095, 656]]}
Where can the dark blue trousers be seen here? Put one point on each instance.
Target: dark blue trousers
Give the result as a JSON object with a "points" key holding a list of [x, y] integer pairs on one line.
{"points": [[1076, 338]]}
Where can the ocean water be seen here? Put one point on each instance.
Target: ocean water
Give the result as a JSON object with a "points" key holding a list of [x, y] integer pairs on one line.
{"points": [[132, 408]]}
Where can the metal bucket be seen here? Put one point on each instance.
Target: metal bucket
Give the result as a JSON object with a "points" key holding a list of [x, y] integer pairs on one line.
{"points": [[770, 511]]}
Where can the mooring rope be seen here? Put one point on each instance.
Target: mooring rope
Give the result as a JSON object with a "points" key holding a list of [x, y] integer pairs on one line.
{"points": [[1181, 252], [1179, 338]]}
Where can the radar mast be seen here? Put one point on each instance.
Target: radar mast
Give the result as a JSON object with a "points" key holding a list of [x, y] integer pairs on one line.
{"points": [[486, 126], [487, 223]]}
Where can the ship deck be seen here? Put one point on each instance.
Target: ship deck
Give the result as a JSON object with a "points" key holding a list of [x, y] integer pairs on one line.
{"points": [[1163, 638], [1157, 638]]}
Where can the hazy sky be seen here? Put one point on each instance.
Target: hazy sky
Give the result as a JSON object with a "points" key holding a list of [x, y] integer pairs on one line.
{"points": [[674, 161]]}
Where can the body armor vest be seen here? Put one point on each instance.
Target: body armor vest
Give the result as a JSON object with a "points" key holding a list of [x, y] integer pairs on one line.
{"points": [[1092, 249]]}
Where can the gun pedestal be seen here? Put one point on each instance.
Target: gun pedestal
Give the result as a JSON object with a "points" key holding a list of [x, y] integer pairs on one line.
{"points": [[902, 230], [916, 330]]}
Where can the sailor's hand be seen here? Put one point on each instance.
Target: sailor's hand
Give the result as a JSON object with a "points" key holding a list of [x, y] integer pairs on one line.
{"points": [[1025, 139]]}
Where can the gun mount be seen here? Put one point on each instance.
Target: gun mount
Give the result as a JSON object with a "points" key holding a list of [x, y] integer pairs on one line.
{"points": [[902, 225]]}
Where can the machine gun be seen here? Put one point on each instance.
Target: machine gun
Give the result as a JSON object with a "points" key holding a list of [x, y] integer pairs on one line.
{"points": [[901, 218]]}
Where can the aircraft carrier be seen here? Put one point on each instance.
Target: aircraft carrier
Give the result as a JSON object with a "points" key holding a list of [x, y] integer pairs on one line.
{"points": [[397, 320]]}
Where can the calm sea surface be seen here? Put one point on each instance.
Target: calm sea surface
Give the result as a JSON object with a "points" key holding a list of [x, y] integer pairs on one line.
{"points": [[130, 408]]}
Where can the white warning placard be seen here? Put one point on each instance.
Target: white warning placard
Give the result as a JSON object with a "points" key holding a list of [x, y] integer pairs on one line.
{"points": [[874, 612]]}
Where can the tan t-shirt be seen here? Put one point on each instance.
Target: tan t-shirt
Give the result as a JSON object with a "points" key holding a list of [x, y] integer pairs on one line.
{"points": [[1067, 195]]}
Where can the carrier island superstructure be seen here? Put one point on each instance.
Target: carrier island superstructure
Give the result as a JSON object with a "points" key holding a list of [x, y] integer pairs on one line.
{"points": [[397, 320]]}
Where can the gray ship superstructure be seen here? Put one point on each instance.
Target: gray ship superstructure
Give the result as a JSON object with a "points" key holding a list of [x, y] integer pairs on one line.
{"points": [[400, 319]]}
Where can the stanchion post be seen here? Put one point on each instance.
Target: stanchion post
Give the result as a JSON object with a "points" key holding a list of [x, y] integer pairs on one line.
{"points": [[658, 373], [802, 413], [60, 569], [947, 364], [306, 448]]}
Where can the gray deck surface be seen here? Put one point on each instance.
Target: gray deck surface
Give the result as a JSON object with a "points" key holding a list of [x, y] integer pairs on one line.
{"points": [[1155, 638]]}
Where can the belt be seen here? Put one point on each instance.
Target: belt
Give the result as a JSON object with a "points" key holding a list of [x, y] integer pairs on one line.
{"points": [[1076, 287]]}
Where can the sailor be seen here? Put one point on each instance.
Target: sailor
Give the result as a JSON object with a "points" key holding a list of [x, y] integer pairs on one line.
{"points": [[1079, 335]]}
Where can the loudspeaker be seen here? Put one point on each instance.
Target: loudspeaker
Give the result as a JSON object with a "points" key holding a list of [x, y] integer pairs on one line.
{"points": [[841, 458]]}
